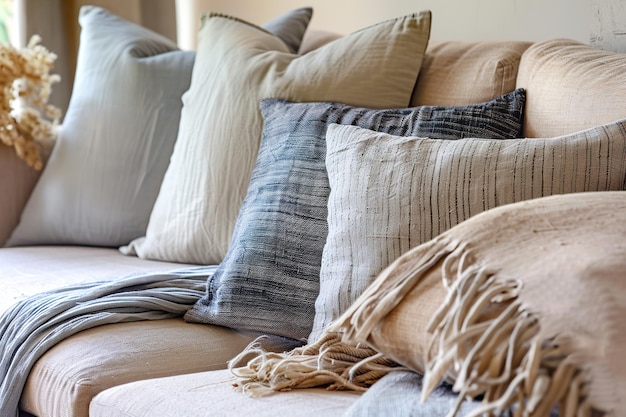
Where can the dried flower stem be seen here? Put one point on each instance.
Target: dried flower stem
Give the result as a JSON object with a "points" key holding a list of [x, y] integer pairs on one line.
{"points": [[26, 118]]}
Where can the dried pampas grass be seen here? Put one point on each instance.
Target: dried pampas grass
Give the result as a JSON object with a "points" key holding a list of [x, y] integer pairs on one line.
{"points": [[26, 118]]}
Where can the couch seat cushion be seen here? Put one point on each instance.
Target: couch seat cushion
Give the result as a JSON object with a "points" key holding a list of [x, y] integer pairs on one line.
{"points": [[212, 394], [64, 380], [25, 271]]}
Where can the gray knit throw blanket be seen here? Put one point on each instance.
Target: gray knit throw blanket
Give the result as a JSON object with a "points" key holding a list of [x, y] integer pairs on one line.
{"points": [[32, 326]]}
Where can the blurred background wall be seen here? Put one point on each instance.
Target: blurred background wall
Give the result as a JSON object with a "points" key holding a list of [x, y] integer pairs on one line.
{"points": [[601, 23]]}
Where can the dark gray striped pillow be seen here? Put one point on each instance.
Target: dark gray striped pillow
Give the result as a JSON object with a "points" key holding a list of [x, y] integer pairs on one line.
{"points": [[269, 279]]}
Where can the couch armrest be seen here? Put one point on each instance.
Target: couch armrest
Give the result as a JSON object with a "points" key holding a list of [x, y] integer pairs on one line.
{"points": [[17, 181]]}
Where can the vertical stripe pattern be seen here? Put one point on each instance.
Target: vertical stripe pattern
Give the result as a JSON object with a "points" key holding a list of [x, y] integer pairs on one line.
{"points": [[390, 193]]}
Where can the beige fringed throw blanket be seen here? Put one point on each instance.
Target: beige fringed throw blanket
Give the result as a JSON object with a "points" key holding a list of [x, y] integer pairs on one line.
{"points": [[524, 305]]}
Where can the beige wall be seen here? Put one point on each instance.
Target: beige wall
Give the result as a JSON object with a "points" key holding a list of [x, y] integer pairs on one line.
{"points": [[601, 23], [153, 14], [452, 19], [56, 21]]}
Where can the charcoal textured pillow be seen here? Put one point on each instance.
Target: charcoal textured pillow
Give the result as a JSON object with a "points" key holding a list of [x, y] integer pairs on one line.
{"points": [[405, 191], [105, 172], [237, 65], [269, 279]]}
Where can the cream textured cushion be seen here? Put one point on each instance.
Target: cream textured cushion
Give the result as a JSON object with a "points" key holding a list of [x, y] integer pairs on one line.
{"points": [[458, 73], [405, 191], [68, 376], [238, 64], [525, 303], [315, 38], [571, 86]]}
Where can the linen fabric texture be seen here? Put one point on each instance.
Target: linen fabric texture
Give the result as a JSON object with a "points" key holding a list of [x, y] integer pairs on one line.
{"points": [[269, 279], [554, 267], [35, 269], [490, 65], [237, 65], [213, 391], [405, 191], [574, 87], [33, 326], [114, 145], [65, 379]]}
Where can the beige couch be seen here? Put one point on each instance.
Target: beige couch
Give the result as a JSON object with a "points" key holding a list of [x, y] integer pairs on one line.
{"points": [[170, 367]]}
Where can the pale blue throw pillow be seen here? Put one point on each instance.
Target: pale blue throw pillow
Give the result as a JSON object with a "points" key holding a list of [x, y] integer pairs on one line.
{"points": [[117, 137], [269, 279]]}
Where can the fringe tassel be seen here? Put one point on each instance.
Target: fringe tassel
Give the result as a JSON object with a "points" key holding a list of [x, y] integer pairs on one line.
{"points": [[388, 290], [327, 363], [331, 361], [483, 341], [489, 345]]}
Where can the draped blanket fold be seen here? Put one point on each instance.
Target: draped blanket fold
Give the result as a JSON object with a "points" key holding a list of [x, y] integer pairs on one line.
{"points": [[32, 326]]}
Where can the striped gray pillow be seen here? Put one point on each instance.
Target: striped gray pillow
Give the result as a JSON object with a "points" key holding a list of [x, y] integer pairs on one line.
{"points": [[405, 191], [269, 279]]}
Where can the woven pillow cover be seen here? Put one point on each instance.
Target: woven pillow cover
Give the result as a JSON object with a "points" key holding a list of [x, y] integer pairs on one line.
{"points": [[114, 146], [269, 279], [237, 65], [402, 192]]}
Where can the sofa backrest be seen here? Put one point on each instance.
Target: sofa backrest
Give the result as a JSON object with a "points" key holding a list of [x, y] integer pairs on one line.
{"points": [[459, 73], [571, 86], [454, 73], [17, 181], [314, 38]]}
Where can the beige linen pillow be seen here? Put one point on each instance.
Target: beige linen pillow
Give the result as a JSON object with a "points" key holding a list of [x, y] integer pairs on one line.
{"points": [[571, 86], [525, 303], [238, 64], [405, 191]]}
